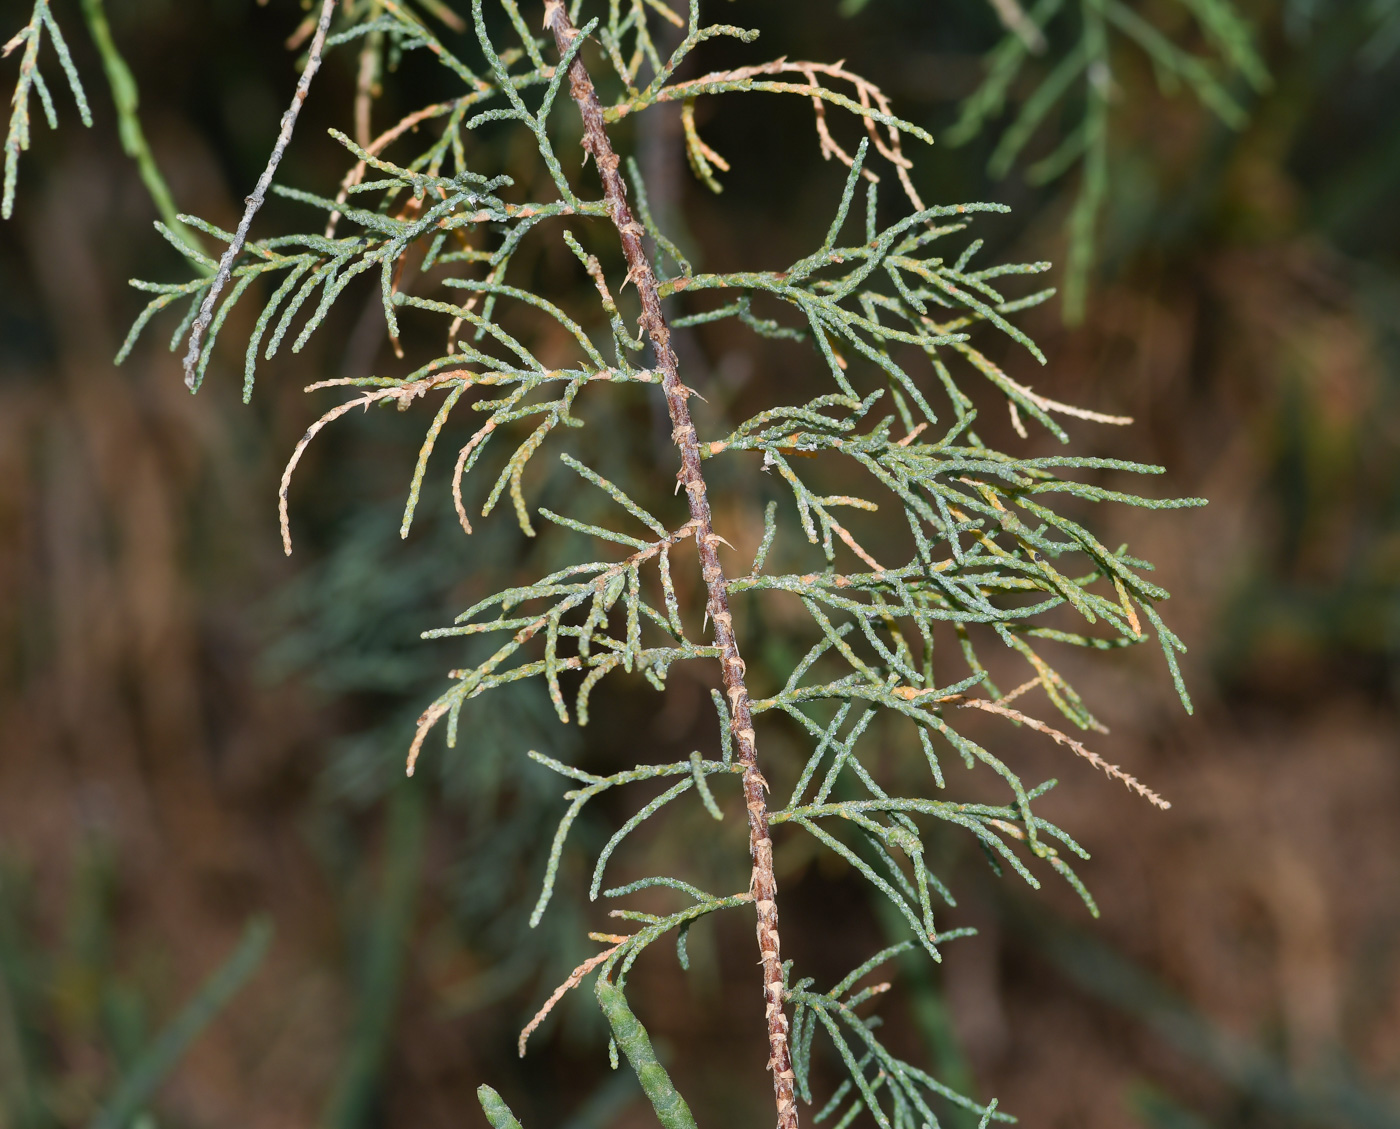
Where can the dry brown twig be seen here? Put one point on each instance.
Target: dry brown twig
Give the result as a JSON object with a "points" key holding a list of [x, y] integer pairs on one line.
{"points": [[854, 545], [963, 701], [574, 979], [403, 393], [868, 95], [1021, 689], [1111, 770]]}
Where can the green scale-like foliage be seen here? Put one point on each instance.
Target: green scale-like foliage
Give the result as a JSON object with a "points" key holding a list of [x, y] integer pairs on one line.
{"points": [[887, 314]]}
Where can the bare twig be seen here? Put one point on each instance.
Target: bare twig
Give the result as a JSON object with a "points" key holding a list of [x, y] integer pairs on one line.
{"points": [[255, 201], [762, 883]]}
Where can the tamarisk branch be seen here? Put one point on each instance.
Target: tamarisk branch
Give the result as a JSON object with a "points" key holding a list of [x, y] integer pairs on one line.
{"points": [[763, 885]]}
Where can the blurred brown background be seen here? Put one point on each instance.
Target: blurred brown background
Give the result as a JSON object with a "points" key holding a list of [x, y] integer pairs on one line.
{"points": [[195, 731]]}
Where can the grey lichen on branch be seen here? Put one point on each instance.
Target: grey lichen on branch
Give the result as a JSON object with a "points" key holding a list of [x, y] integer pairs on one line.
{"points": [[763, 885], [255, 199]]}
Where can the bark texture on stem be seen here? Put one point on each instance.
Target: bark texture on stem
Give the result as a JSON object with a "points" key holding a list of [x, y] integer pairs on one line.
{"points": [[762, 884]]}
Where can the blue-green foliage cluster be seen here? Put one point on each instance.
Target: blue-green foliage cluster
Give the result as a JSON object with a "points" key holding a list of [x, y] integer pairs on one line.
{"points": [[886, 315]]}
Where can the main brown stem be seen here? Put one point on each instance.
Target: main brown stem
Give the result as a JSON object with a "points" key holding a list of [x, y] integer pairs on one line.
{"points": [[762, 885]]}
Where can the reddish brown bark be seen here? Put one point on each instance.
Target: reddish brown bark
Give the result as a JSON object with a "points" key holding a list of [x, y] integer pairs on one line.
{"points": [[762, 884]]}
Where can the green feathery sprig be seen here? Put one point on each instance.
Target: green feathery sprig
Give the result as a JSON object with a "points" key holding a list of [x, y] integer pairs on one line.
{"points": [[981, 548]]}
